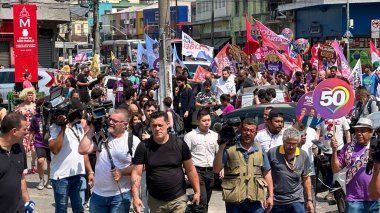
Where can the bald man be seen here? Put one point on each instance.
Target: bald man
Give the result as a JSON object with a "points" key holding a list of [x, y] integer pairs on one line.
{"points": [[133, 109]]}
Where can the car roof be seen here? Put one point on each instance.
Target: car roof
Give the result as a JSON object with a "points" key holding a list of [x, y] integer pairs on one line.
{"points": [[249, 90], [197, 62]]}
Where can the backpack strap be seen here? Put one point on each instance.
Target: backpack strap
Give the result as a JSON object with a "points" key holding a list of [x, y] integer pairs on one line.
{"points": [[369, 106], [130, 143]]}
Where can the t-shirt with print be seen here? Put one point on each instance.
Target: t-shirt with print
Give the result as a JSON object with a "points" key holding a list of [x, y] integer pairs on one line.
{"points": [[371, 82], [356, 189], [287, 184], [327, 132], [36, 129], [164, 175]]}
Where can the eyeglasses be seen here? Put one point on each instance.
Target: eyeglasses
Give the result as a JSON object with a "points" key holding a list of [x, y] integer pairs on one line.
{"points": [[249, 130], [114, 121]]}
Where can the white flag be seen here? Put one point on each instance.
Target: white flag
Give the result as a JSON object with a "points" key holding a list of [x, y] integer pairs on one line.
{"points": [[195, 49]]}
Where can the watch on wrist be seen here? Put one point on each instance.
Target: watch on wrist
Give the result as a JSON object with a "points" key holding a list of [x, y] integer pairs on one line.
{"points": [[311, 200]]}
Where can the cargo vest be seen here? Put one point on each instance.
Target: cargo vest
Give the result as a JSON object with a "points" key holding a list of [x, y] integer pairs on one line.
{"points": [[243, 180]]}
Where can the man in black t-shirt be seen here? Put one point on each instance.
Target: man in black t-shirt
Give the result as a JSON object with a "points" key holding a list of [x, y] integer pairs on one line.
{"points": [[163, 156], [82, 83], [13, 193]]}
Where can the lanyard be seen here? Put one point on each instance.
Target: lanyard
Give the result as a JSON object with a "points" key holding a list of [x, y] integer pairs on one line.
{"points": [[75, 133]]}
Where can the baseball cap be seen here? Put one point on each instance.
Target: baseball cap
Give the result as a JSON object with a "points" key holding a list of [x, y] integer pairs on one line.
{"points": [[364, 123]]}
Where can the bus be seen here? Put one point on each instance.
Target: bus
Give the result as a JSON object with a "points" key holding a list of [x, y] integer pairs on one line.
{"points": [[124, 50]]}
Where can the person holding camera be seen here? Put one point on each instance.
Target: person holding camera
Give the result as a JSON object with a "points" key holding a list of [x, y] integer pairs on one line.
{"points": [[247, 183], [291, 175], [14, 195], [164, 157], [67, 167], [354, 156], [111, 190], [203, 146]]}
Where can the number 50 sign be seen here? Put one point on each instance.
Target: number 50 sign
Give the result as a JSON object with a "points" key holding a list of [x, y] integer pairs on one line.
{"points": [[333, 98]]}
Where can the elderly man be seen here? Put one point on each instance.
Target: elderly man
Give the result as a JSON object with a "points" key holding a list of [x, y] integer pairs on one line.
{"points": [[354, 156], [290, 170]]}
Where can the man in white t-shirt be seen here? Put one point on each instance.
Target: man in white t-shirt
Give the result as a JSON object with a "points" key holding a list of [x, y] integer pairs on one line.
{"points": [[111, 191], [225, 85], [325, 132], [271, 136], [67, 165]]}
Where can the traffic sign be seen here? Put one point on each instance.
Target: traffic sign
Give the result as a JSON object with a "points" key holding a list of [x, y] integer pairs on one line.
{"points": [[375, 28], [68, 45]]}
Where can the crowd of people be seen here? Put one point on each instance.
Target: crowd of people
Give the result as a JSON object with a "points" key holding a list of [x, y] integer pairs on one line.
{"points": [[145, 155]]}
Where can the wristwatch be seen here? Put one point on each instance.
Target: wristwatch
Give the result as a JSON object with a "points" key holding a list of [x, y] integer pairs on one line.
{"points": [[307, 200]]}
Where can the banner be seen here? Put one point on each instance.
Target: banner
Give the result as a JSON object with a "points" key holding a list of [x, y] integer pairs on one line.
{"points": [[270, 38], [141, 54], [356, 76], [176, 60], [151, 50], [80, 57], [327, 55], [345, 68], [200, 73], [251, 45], [95, 71], [221, 60], [193, 48], [375, 53], [288, 65], [25, 41], [262, 52]]}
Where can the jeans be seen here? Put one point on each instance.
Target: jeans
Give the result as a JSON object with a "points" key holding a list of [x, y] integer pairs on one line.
{"points": [[206, 180], [245, 207], [65, 188], [113, 204], [297, 207], [363, 206]]}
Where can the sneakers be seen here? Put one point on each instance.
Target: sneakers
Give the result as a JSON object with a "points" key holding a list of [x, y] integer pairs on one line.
{"points": [[48, 184], [41, 184]]}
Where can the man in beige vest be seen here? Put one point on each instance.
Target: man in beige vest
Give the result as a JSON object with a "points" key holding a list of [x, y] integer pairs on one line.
{"points": [[247, 183]]}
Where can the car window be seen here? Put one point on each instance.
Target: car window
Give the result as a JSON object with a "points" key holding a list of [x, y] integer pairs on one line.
{"points": [[110, 83], [7, 77], [3, 76]]}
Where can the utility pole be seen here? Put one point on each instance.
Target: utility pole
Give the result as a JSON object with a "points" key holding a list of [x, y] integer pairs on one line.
{"points": [[96, 27], [69, 30], [164, 51], [212, 23], [176, 18], [348, 33]]}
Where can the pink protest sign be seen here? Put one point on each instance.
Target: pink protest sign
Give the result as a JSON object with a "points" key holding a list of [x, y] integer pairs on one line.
{"points": [[333, 98]]}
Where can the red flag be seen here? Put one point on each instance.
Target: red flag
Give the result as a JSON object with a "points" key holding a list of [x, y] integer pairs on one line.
{"points": [[200, 73], [251, 45]]}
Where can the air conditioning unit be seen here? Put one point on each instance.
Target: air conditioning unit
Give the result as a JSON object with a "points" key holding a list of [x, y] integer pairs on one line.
{"points": [[315, 29]]}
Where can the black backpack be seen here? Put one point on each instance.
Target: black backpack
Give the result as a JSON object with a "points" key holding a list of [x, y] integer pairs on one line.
{"points": [[178, 124]]}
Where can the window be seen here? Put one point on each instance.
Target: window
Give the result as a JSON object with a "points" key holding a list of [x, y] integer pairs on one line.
{"points": [[223, 3], [237, 9]]}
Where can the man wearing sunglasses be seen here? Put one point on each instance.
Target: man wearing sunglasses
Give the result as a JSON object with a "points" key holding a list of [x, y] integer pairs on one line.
{"points": [[111, 190]]}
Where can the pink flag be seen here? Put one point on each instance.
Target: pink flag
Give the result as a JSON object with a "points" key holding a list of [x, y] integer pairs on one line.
{"points": [[375, 53], [221, 60], [270, 38], [343, 64], [200, 73], [289, 66]]}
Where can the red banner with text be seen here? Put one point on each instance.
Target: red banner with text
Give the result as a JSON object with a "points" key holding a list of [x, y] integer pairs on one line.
{"points": [[25, 41]]}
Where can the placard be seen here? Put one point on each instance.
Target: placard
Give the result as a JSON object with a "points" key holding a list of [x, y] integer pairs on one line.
{"points": [[288, 33], [327, 55], [306, 113], [334, 98], [25, 41]]}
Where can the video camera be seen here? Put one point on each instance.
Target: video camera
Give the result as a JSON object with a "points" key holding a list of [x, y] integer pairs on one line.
{"points": [[226, 130], [96, 115]]}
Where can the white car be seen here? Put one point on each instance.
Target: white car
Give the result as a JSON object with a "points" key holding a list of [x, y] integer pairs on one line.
{"points": [[7, 81]]}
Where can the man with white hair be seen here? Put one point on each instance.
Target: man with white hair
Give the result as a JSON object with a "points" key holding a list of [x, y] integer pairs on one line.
{"points": [[291, 175]]}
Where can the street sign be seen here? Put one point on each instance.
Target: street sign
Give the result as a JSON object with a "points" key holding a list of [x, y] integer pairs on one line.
{"points": [[68, 45], [375, 28]]}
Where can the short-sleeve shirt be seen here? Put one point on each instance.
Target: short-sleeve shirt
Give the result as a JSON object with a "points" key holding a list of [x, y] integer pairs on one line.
{"points": [[356, 189], [83, 79], [36, 129], [268, 140], [371, 82], [327, 131], [246, 153], [163, 162], [11, 168], [287, 184]]}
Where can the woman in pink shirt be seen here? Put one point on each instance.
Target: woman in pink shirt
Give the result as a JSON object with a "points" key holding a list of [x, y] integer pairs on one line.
{"points": [[27, 80], [227, 107]]}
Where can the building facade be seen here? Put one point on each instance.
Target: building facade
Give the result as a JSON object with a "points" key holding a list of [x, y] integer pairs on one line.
{"points": [[50, 14]]}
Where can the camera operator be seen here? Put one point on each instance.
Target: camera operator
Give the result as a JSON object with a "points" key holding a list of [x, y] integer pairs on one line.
{"points": [[355, 156], [246, 169], [67, 166], [111, 191]]}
